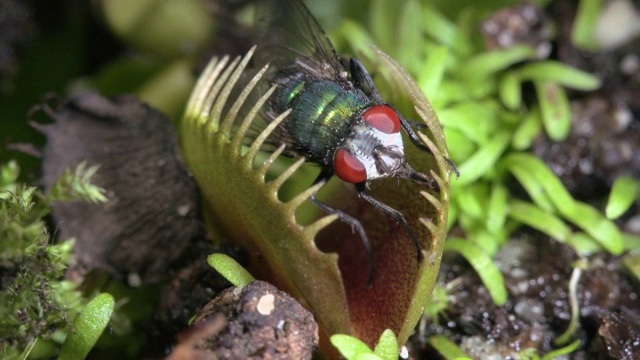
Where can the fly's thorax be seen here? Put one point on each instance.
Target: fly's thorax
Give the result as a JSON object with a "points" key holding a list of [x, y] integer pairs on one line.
{"points": [[323, 114]]}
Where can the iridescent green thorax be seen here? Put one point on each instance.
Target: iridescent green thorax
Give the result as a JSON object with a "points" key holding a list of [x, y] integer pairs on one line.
{"points": [[323, 115]]}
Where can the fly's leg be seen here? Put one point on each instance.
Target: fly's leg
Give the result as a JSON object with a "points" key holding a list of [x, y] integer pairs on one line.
{"points": [[349, 220], [420, 145], [417, 124], [389, 211], [363, 80]]}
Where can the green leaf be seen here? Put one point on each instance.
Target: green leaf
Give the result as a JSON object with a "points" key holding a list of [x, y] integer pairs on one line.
{"points": [[510, 90], [432, 71], [584, 244], [473, 201], [350, 347], [487, 64], [584, 24], [383, 22], [555, 109], [540, 220], [528, 131], [357, 37], [497, 212], [169, 88], [557, 72], [548, 192], [595, 224], [88, 327], [230, 269], [565, 350], [367, 357], [483, 264], [460, 145], [632, 263], [483, 161], [8, 175], [439, 302], [387, 347], [489, 242], [447, 348], [163, 28], [409, 38], [623, 194], [631, 241], [472, 118], [439, 27], [539, 182], [453, 91]]}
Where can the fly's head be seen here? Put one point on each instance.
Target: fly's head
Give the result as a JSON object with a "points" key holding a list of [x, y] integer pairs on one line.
{"points": [[375, 150]]}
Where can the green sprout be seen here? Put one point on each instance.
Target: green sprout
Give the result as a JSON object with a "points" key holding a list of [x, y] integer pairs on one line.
{"points": [[230, 269], [583, 31], [447, 348], [485, 266], [88, 327], [532, 354], [352, 348], [624, 192]]}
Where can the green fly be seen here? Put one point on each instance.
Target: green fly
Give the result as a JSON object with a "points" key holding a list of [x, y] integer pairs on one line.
{"points": [[338, 119]]}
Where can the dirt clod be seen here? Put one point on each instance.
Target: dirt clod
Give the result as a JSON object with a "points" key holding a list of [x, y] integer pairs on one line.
{"points": [[152, 215], [231, 326]]}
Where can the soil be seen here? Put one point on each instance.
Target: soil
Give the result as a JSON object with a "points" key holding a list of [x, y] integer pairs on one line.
{"points": [[537, 271], [257, 321]]}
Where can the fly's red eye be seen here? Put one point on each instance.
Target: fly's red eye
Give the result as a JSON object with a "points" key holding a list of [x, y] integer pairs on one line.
{"points": [[383, 118], [348, 167]]}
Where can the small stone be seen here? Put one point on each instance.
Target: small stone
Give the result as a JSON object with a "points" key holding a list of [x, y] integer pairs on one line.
{"points": [[266, 304]]}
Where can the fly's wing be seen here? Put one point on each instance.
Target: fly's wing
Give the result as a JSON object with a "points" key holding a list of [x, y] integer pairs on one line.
{"points": [[290, 39], [292, 42]]}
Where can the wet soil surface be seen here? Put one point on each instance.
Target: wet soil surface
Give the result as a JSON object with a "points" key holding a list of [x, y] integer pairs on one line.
{"points": [[537, 272]]}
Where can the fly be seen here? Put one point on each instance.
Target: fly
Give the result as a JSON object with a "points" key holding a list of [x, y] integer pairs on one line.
{"points": [[338, 119]]}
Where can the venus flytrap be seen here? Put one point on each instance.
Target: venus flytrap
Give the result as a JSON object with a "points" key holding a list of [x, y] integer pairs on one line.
{"points": [[246, 205]]}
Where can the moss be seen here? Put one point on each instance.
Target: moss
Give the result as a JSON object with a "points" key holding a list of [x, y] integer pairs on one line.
{"points": [[36, 302]]}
